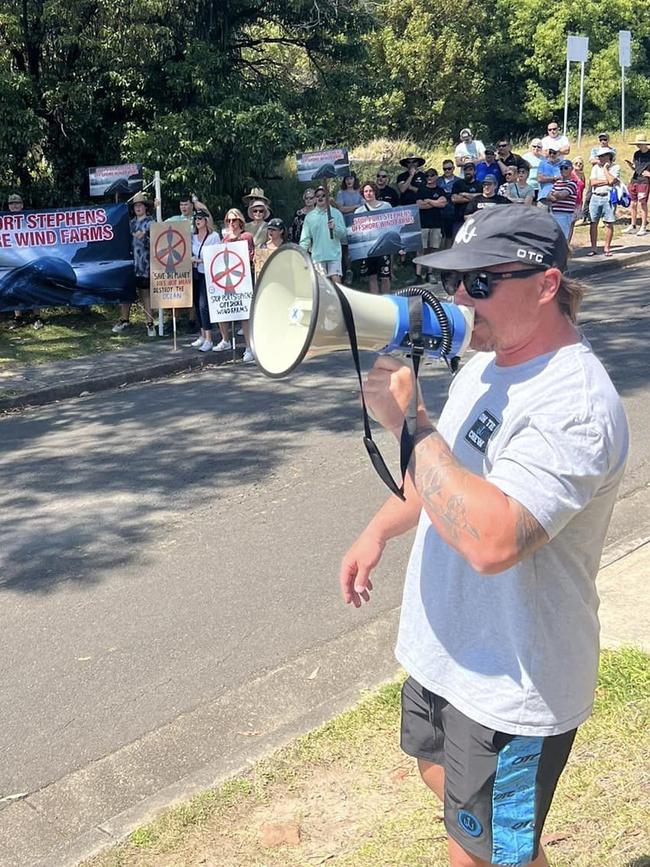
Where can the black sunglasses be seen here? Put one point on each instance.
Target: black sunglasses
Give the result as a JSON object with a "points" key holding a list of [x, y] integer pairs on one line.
{"points": [[382, 176], [480, 284]]}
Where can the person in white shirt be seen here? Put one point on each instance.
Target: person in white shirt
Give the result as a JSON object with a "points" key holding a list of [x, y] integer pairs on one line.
{"points": [[469, 149], [554, 140], [511, 489], [604, 177]]}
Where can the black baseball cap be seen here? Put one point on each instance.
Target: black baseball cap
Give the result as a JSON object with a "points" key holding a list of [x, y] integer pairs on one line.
{"points": [[499, 236], [276, 223]]}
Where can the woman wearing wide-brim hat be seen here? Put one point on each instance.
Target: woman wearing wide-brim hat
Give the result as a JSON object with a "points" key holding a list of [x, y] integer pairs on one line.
{"points": [[258, 213], [410, 181], [639, 187], [256, 193]]}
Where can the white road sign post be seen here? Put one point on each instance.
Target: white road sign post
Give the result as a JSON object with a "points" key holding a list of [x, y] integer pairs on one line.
{"points": [[624, 59], [577, 49]]}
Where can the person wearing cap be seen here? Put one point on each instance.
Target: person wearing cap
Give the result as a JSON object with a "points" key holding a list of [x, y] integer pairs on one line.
{"points": [[15, 205], [277, 236], [604, 177], [410, 181], [322, 233], [463, 192], [638, 187], [140, 226], [511, 491], [548, 172], [534, 157], [489, 198], [563, 198], [489, 166], [603, 142], [555, 140], [468, 149]]}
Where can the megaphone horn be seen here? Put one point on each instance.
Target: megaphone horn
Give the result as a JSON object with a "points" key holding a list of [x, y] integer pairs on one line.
{"points": [[296, 314]]}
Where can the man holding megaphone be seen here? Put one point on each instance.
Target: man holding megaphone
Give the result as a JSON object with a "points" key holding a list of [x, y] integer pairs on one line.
{"points": [[511, 492]]}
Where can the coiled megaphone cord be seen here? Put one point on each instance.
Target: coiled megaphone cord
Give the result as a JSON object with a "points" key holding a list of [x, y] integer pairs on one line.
{"points": [[438, 309]]}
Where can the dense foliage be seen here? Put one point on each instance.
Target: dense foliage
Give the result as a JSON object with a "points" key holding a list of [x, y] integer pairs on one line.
{"points": [[215, 92]]}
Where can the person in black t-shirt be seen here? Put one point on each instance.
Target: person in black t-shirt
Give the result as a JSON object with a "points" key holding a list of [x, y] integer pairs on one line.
{"points": [[410, 181], [431, 201], [505, 156], [488, 198], [463, 192], [639, 185], [384, 192]]}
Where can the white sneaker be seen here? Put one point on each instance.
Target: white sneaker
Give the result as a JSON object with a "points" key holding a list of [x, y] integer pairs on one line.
{"points": [[642, 232], [198, 343], [240, 332], [119, 326], [222, 346], [631, 230], [248, 356], [206, 346]]}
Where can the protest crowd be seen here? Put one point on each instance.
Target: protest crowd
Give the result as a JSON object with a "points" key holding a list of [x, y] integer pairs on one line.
{"points": [[476, 177]]}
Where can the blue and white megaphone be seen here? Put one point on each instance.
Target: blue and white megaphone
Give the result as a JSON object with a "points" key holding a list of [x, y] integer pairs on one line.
{"points": [[296, 314]]}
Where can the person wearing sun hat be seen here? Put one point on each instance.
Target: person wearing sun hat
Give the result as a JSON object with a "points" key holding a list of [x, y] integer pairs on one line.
{"points": [[511, 488], [258, 213], [140, 226], [468, 148], [639, 185], [256, 194], [410, 181]]}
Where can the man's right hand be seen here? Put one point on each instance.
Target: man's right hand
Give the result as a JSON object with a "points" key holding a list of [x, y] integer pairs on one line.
{"points": [[356, 566]]}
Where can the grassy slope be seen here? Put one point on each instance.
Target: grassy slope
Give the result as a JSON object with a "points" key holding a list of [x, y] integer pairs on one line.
{"points": [[356, 801]]}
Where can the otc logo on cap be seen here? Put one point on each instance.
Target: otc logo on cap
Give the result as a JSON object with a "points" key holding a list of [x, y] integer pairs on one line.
{"points": [[500, 236]]}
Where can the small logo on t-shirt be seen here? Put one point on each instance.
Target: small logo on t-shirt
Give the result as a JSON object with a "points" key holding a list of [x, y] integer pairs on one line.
{"points": [[480, 432], [470, 824]]}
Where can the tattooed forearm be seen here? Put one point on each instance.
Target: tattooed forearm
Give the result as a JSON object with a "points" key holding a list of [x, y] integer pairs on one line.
{"points": [[530, 534], [432, 468]]}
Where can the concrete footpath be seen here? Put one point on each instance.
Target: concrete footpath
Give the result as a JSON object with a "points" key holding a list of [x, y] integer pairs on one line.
{"points": [[40, 384]]}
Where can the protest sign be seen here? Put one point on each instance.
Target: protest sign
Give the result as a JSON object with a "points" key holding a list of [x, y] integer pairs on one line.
{"points": [[63, 256], [171, 264], [228, 280], [319, 165], [383, 232], [113, 180]]}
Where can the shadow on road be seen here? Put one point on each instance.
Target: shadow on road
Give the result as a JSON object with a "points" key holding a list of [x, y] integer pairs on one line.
{"points": [[84, 484]]}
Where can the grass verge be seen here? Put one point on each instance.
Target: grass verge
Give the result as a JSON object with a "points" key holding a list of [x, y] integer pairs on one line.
{"points": [[344, 795], [69, 332]]}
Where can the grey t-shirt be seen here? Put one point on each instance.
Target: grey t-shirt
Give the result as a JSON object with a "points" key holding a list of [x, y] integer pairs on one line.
{"points": [[518, 651]]}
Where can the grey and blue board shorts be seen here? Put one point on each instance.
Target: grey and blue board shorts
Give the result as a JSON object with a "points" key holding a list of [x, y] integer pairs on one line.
{"points": [[498, 787]]}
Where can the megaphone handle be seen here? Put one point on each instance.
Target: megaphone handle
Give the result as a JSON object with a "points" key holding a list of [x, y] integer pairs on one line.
{"points": [[407, 435]]}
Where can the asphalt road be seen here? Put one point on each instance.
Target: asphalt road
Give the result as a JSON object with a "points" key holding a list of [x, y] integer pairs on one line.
{"points": [[169, 568]]}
